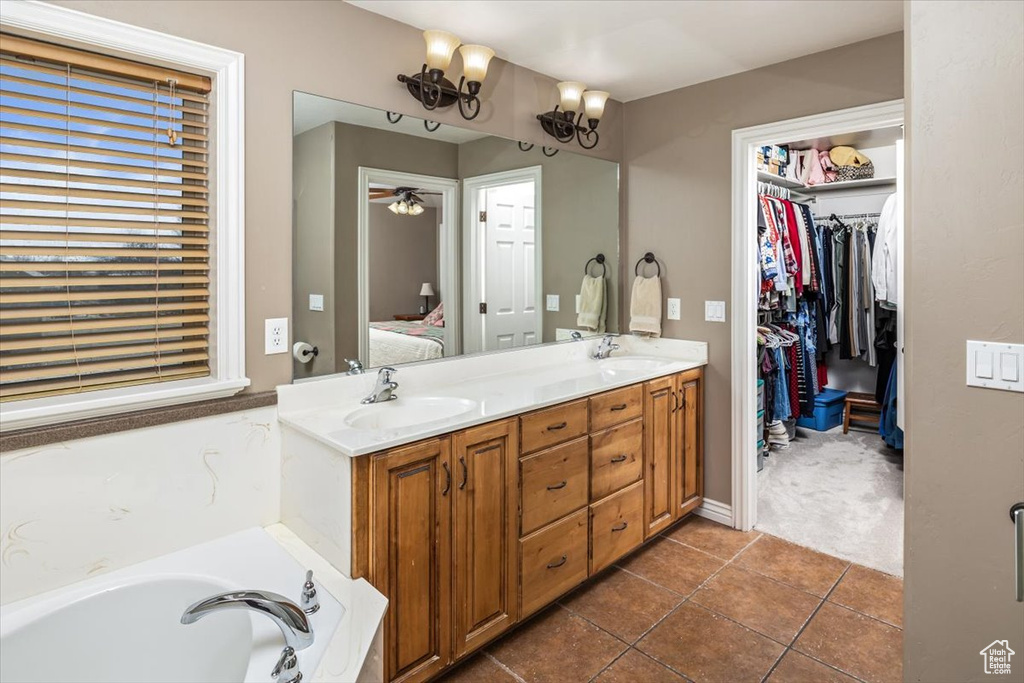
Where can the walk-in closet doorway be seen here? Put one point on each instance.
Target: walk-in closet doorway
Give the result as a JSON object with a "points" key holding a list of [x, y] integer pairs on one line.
{"points": [[879, 129]]}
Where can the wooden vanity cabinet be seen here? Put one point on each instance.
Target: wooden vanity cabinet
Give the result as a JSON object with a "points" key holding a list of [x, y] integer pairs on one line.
{"points": [[486, 523], [469, 533], [410, 556]]}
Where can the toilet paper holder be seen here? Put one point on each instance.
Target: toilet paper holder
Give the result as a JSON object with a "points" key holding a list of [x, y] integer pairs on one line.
{"points": [[304, 352]]}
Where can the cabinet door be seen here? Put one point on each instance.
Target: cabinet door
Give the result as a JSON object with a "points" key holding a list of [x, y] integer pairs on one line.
{"points": [[660, 477], [690, 441], [486, 467], [412, 490]]}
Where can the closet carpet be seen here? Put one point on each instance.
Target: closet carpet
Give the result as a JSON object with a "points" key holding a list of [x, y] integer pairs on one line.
{"points": [[840, 494]]}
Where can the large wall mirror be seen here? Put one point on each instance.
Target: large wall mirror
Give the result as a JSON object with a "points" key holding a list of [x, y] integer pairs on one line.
{"points": [[415, 241]]}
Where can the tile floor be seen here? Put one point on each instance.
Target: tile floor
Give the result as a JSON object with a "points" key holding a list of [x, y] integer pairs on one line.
{"points": [[708, 603]]}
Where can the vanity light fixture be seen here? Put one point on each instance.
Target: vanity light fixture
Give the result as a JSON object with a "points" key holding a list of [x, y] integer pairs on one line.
{"points": [[564, 125], [430, 86]]}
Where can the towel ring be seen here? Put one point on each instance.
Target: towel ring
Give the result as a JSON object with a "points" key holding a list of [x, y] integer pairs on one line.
{"points": [[599, 259], [647, 258]]}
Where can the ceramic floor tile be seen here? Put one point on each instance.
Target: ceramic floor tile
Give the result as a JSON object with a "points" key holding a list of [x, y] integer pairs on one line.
{"points": [[711, 537], [634, 667], [672, 565], [769, 607], [557, 646], [707, 647], [798, 668], [871, 592], [799, 567], [479, 669], [622, 604], [851, 642]]}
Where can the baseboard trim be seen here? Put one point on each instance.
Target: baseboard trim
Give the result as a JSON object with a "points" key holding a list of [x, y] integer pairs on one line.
{"points": [[715, 511]]}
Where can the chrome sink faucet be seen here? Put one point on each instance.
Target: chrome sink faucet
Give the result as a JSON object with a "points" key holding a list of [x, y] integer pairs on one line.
{"points": [[382, 390], [289, 617], [355, 367], [605, 348]]}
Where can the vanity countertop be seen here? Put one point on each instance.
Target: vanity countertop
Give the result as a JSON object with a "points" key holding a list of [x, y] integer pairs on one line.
{"points": [[477, 389]]}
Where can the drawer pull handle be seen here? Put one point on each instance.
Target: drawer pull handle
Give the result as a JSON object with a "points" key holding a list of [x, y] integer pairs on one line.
{"points": [[620, 527], [555, 428], [558, 486], [619, 458], [465, 474], [621, 406], [448, 479], [555, 565]]}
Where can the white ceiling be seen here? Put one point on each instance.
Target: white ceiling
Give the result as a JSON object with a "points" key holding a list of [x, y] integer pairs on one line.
{"points": [[638, 48], [310, 111]]}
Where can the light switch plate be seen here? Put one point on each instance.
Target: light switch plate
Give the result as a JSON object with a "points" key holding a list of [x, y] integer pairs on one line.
{"points": [[552, 302], [714, 311], [995, 365], [275, 339], [673, 309], [316, 302]]}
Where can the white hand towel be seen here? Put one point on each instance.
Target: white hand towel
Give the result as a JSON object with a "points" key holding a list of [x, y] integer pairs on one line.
{"points": [[645, 306], [592, 304]]}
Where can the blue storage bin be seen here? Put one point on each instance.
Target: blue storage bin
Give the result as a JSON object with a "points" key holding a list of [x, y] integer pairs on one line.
{"points": [[828, 411]]}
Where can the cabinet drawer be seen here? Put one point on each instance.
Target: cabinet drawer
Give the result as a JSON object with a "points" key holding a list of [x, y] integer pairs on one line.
{"points": [[554, 560], [554, 484], [616, 526], [616, 458], [616, 407], [553, 426]]}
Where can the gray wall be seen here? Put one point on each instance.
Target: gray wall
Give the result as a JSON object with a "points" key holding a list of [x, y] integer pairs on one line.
{"points": [[313, 245], [965, 280], [403, 255], [677, 171], [580, 216], [336, 50], [357, 146]]}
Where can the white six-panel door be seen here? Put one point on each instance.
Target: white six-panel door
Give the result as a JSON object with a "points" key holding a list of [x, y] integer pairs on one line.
{"points": [[513, 317]]}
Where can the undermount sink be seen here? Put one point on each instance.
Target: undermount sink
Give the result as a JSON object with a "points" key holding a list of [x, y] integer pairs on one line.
{"points": [[402, 413], [633, 363]]}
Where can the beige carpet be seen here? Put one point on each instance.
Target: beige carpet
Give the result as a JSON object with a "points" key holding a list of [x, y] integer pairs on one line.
{"points": [[841, 494]]}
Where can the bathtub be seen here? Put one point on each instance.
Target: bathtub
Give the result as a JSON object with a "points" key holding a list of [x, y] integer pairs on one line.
{"points": [[124, 627]]}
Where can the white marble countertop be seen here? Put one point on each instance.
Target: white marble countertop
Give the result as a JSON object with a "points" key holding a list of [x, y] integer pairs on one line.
{"points": [[497, 385]]}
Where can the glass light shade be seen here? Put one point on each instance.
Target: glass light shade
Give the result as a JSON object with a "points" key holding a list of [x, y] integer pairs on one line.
{"points": [[475, 59], [569, 93], [393, 207], [593, 103], [403, 208], [415, 210], [440, 48]]}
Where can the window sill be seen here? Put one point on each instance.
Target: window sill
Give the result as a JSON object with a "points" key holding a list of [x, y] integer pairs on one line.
{"points": [[59, 409]]}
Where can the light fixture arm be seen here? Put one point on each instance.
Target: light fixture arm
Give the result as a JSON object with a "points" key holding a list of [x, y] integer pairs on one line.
{"points": [[435, 91]]}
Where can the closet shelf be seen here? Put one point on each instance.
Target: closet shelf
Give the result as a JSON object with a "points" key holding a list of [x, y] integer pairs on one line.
{"points": [[765, 176]]}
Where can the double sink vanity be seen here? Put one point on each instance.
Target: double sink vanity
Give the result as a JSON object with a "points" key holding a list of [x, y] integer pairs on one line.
{"points": [[491, 485]]}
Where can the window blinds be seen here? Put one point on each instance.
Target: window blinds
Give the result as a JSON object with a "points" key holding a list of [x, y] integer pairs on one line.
{"points": [[104, 235]]}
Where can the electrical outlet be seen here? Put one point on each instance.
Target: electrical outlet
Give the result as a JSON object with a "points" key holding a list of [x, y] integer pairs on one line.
{"points": [[275, 338], [552, 302], [316, 302], [673, 309]]}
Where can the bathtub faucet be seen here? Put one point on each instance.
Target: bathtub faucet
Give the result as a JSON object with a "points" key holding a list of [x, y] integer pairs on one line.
{"points": [[289, 617]]}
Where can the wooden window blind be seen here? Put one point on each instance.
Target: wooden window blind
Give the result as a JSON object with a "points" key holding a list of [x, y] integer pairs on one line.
{"points": [[104, 234]]}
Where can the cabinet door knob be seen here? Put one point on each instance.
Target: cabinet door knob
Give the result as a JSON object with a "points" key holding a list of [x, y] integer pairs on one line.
{"points": [[558, 486], [554, 565], [619, 458]]}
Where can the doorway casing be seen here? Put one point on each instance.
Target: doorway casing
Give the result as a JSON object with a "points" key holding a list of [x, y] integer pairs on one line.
{"points": [[448, 280], [745, 275]]}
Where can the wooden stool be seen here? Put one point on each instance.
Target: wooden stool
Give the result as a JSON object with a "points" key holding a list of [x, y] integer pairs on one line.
{"points": [[867, 410]]}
